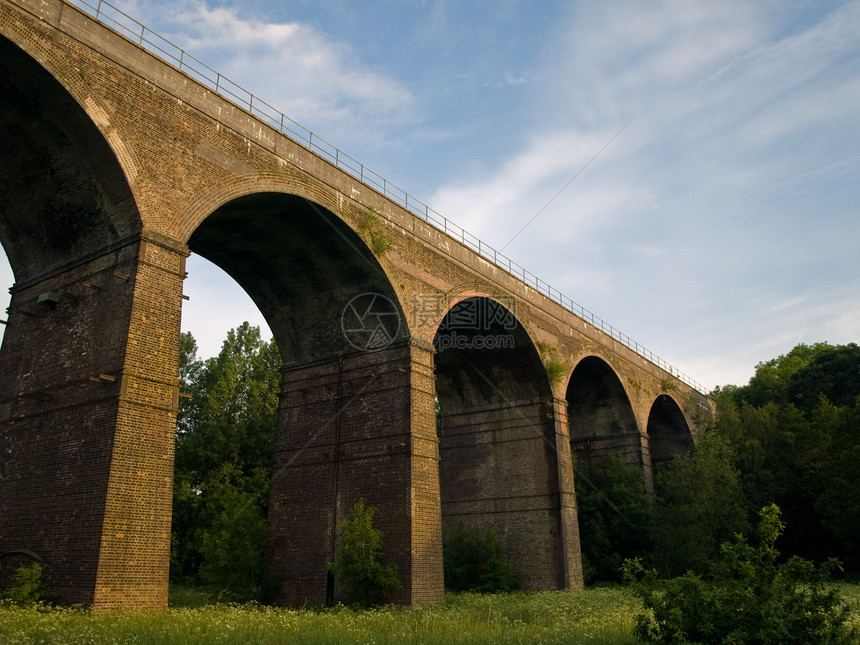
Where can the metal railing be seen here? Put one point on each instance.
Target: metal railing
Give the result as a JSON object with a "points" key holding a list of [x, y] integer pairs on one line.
{"points": [[138, 33]]}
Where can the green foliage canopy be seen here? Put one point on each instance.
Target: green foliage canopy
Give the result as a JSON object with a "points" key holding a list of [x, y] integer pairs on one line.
{"points": [[796, 433], [699, 505], [615, 518], [225, 436]]}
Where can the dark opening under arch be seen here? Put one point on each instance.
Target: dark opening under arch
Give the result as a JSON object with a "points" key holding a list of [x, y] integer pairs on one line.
{"points": [[600, 415], [668, 432], [62, 192], [498, 466]]}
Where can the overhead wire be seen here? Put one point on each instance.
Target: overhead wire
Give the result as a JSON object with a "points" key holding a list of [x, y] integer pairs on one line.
{"points": [[563, 188]]}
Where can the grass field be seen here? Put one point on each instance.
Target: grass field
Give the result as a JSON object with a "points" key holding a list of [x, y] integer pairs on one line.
{"points": [[599, 616]]}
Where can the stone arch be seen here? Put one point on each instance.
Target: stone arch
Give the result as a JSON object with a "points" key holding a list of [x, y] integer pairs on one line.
{"points": [[303, 266], [498, 459], [354, 402], [668, 431], [64, 192], [600, 414]]}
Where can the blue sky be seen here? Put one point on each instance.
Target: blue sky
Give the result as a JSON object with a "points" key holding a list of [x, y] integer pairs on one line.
{"points": [[719, 228]]}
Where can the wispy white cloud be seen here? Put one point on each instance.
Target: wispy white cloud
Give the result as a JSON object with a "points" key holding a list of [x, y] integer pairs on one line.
{"points": [[320, 83], [698, 213], [498, 205]]}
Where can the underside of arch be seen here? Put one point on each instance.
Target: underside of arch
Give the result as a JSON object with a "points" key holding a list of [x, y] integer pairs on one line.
{"points": [[597, 403], [62, 192], [498, 458], [601, 417], [668, 432], [318, 285]]}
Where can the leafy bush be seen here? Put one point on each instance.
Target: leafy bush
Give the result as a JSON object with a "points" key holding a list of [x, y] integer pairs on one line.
{"points": [[752, 599], [27, 587], [474, 561], [358, 560]]}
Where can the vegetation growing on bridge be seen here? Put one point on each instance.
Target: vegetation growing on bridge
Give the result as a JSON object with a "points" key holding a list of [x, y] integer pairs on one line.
{"points": [[372, 231], [556, 367]]}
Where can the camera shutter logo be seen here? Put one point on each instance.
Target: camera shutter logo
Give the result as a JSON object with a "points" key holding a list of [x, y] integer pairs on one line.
{"points": [[370, 322]]}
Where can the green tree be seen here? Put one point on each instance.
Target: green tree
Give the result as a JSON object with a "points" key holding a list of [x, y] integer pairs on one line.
{"points": [[699, 505], [232, 413], [796, 433], [358, 560], [224, 441], [615, 517], [832, 372], [771, 379], [839, 502], [189, 373], [232, 532]]}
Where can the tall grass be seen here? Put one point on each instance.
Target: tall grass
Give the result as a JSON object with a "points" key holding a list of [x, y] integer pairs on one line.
{"points": [[851, 595], [598, 616]]}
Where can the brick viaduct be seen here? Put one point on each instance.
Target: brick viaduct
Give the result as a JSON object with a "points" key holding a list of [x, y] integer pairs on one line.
{"points": [[116, 165]]}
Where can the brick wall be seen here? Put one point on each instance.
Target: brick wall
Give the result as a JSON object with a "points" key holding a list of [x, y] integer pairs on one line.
{"points": [[346, 432], [71, 377], [498, 470]]}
